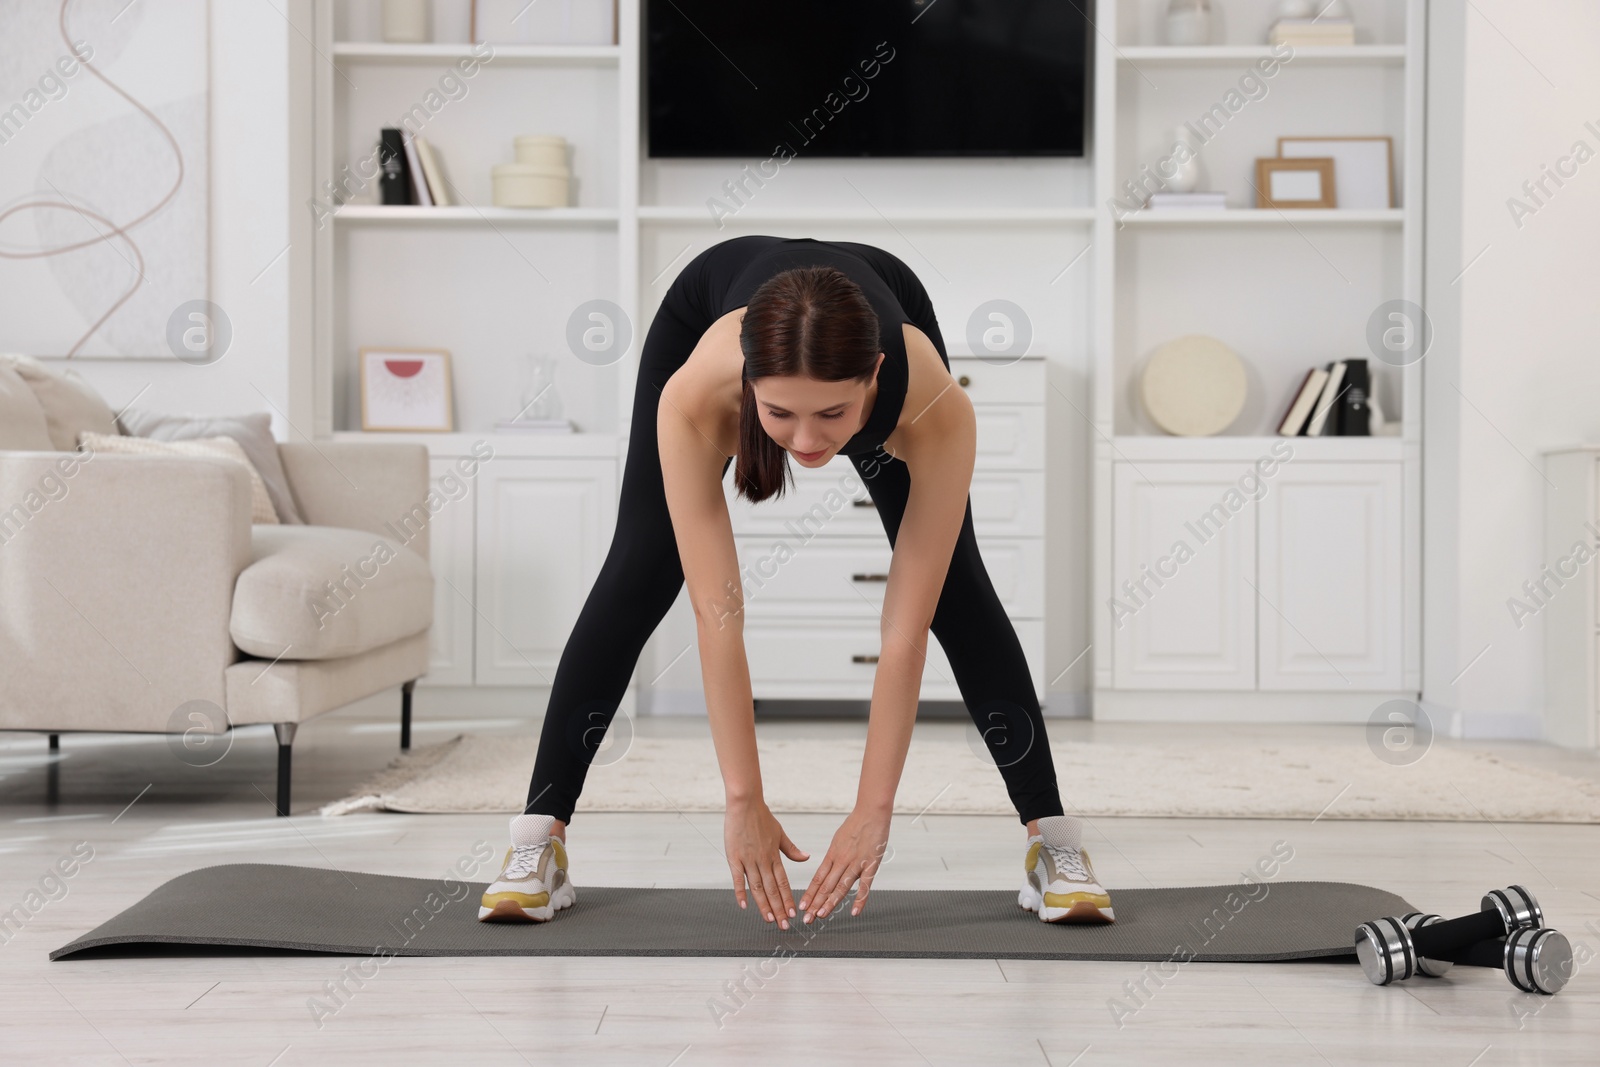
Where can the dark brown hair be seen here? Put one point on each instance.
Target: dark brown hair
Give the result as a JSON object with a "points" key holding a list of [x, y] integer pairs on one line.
{"points": [[808, 321]]}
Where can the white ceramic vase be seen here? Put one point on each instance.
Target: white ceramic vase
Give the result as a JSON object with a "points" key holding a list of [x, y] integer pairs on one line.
{"points": [[1189, 23], [1186, 178]]}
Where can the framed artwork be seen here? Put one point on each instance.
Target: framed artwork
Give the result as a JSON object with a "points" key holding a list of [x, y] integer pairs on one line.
{"points": [[1363, 167], [104, 190], [1295, 183], [406, 389]]}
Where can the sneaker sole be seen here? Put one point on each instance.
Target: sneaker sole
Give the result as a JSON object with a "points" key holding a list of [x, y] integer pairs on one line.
{"points": [[507, 909], [1082, 911]]}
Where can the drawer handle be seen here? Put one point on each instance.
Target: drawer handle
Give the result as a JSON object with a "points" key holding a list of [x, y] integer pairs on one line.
{"points": [[863, 504], [963, 381], [869, 577], [864, 659]]}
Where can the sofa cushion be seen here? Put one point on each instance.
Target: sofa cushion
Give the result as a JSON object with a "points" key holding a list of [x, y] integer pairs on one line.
{"points": [[324, 592], [70, 404], [253, 432], [22, 422], [260, 503]]}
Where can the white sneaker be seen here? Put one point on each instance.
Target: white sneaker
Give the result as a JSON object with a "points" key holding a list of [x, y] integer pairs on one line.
{"points": [[533, 883], [1061, 885]]}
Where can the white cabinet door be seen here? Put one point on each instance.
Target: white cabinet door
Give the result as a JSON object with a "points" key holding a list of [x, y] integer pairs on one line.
{"points": [[450, 553], [1331, 591], [544, 527], [1184, 541]]}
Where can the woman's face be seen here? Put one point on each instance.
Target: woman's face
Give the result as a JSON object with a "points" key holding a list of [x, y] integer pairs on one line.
{"points": [[811, 419]]}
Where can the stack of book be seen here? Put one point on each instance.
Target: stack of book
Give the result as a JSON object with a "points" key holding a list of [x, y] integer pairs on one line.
{"points": [[1332, 401], [412, 171], [1213, 201], [1316, 31]]}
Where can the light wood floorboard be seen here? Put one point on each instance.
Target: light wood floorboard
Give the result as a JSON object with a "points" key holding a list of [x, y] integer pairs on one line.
{"points": [[149, 817]]}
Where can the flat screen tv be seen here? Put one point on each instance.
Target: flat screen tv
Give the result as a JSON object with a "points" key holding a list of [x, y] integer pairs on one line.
{"points": [[741, 78]]}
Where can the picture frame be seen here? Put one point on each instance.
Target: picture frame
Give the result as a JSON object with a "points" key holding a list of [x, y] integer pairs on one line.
{"points": [[1362, 166], [1289, 184], [406, 389]]}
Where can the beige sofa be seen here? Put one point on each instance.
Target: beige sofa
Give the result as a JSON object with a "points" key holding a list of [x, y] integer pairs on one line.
{"points": [[136, 595]]}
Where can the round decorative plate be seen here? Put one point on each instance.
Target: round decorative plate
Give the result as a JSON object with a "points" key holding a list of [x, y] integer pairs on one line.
{"points": [[1194, 386]]}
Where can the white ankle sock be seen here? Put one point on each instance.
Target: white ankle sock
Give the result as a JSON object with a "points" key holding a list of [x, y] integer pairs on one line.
{"points": [[1061, 831], [531, 829]]}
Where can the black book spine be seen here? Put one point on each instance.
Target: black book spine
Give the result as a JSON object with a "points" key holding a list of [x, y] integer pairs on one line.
{"points": [[1354, 414], [394, 181]]}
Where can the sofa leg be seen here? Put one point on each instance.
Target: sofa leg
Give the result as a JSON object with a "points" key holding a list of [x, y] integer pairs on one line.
{"points": [[285, 732], [405, 713], [55, 742]]}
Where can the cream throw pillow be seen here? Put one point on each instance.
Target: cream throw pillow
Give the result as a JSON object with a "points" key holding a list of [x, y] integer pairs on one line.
{"points": [[22, 420], [260, 501], [71, 405]]}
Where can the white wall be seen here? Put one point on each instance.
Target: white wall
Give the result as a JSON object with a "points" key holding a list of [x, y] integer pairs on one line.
{"points": [[249, 234], [1512, 370]]}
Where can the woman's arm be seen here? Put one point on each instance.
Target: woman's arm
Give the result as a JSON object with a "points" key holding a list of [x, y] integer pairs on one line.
{"points": [[940, 463], [939, 448], [691, 467]]}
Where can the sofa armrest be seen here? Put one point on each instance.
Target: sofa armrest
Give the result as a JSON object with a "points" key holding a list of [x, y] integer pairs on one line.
{"points": [[116, 586], [377, 486]]}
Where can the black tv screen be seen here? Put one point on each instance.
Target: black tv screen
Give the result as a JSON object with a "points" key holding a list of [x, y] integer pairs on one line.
{"points": [[808, 78]]}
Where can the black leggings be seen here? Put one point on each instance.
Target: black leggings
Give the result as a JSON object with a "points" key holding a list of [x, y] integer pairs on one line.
{"points": [[642, 575]]}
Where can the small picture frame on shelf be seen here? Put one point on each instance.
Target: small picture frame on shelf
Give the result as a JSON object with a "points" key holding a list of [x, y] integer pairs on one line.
{"points": [[406, 389], [1295, 183], [1364, 167]]}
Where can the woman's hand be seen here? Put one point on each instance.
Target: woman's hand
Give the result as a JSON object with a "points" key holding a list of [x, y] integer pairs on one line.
{"points": [[857, 850], [754, 840]]}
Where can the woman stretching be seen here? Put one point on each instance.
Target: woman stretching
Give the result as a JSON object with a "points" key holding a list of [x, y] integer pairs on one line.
{"points": [[765, 346]]}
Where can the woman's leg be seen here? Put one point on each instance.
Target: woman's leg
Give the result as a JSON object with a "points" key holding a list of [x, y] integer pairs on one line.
{"points": [[990, 668], [636, 585]]}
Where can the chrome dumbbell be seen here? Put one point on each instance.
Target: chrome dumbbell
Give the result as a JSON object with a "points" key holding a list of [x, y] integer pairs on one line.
{"points": [[1500, 911], [1534, 959]]}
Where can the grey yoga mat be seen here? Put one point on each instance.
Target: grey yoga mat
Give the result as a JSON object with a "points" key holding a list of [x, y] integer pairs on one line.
{"points": [[313, 909]]}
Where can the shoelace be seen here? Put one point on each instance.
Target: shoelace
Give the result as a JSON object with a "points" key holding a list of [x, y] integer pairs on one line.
{"points": [[524, 860], [1069, 860]]}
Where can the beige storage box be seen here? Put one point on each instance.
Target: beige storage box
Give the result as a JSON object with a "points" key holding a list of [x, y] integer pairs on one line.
{"points": [[542, 150], [527, 185]]}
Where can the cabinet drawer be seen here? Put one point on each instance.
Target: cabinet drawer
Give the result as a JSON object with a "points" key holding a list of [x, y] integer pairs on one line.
{"points": [[1022, 382], [848, 576], [1010, 437], [1004, 504], [835, 658]]}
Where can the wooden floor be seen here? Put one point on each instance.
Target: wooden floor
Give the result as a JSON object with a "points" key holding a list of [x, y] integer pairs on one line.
{"points": [[148, 816]]}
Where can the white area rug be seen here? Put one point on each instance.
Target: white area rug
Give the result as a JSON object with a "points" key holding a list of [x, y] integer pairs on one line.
{"points": [[479, 773]]}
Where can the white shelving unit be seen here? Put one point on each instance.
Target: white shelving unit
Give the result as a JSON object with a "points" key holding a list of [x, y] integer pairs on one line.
{"points": [[1306, 598], [1287, 289]]}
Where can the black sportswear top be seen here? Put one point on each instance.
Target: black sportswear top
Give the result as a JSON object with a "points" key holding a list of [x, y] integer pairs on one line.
{"points": [[739, 266]]}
